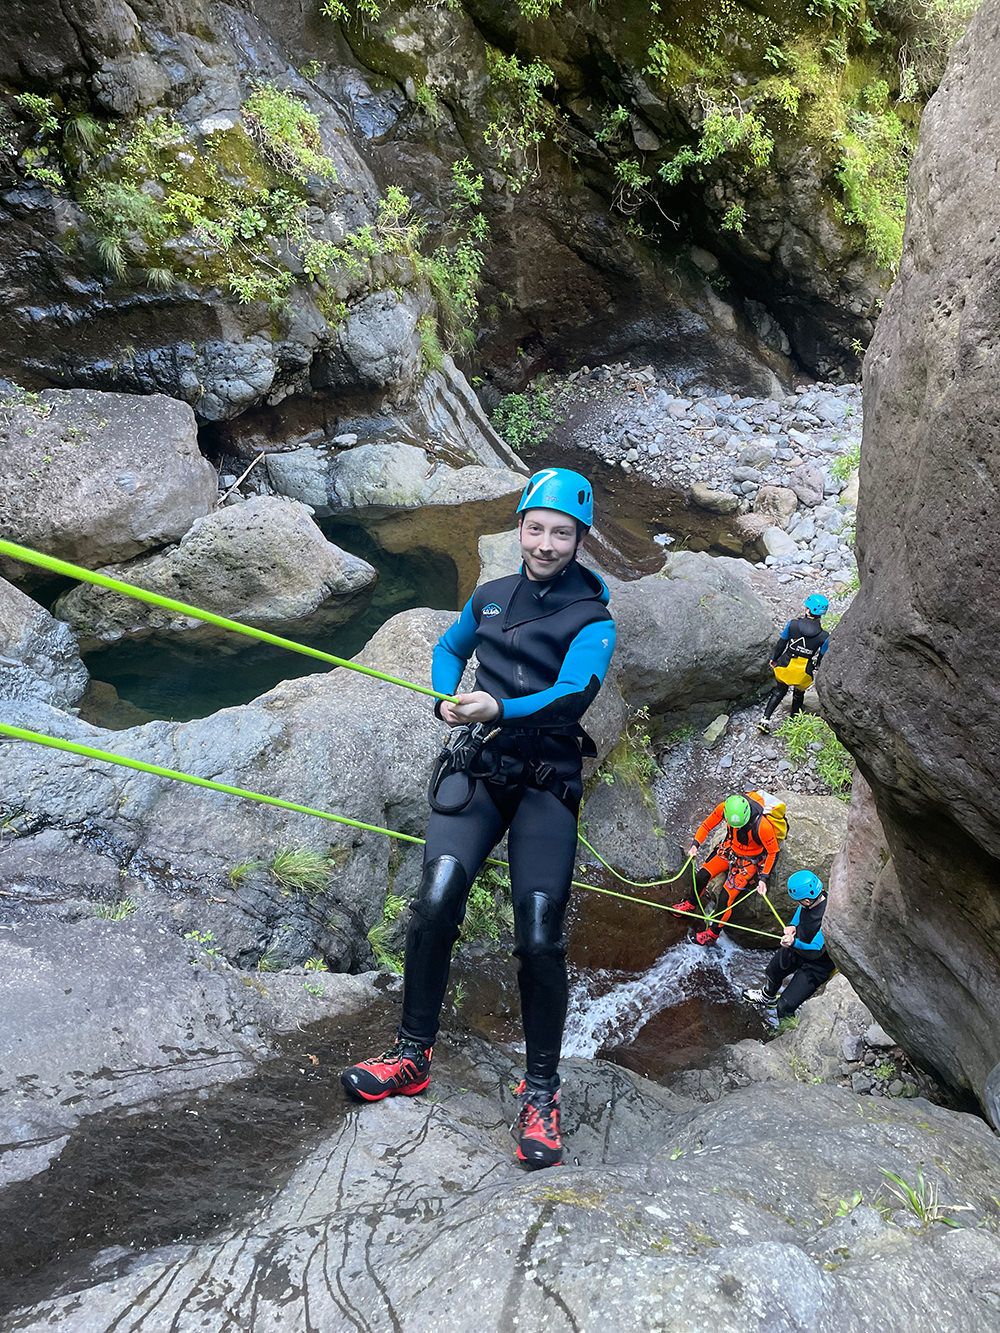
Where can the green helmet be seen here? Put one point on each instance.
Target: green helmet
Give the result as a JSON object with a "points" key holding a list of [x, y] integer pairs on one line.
{"points": [[736, 811]]}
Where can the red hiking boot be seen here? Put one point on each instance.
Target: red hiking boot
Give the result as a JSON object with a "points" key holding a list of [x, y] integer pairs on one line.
{"points": [[686, 906], [706, 936], [404, 1070], [536, 1130]]}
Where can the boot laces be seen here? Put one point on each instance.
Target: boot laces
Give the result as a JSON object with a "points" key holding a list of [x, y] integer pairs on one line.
{"points": [[402, 1050], [539, 1109]]}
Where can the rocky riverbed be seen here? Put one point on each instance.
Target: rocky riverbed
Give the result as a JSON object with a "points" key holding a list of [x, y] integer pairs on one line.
{"points": [[778, 472]]}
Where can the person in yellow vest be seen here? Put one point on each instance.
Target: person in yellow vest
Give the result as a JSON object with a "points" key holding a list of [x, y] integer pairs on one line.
{"points": [[797, 656]]}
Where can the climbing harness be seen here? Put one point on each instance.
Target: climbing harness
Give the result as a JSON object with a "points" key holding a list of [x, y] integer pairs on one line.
{"points": [[157, 770], [462, 747], [27, 556]]}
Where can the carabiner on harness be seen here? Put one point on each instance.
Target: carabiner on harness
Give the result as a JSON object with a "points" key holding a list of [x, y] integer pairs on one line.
{"points": [[460, 751]]}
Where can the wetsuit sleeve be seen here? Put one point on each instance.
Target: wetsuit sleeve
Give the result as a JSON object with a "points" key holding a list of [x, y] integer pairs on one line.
{"points": [[708, 823], [782, 643], [453, 650], [769, 841], [819, 656], [580, 677]]}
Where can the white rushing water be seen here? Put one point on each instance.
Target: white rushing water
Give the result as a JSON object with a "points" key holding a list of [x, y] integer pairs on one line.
{"points": [[606, 1009]]}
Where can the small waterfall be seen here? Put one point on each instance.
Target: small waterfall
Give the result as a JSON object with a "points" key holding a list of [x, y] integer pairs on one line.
{"points": [[604, 1011]]}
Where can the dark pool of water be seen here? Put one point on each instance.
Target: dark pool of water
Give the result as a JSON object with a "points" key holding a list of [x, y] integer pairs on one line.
{"points": [[178, 680]]}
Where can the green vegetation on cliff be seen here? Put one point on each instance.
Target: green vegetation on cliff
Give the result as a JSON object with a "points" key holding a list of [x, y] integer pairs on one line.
{"points": [[230, 208]]}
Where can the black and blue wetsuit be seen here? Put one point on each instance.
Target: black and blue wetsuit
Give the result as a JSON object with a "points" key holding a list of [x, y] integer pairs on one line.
{"points": [[543, 649], [805, 638], [807, 959]]}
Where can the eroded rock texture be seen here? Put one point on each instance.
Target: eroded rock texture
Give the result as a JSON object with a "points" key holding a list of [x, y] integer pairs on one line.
{"points": [[912, 685]]}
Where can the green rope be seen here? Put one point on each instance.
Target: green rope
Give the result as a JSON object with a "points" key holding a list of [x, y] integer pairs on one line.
{"points": [[157, 770], [634, 883], [30, 557], [658, 883]]}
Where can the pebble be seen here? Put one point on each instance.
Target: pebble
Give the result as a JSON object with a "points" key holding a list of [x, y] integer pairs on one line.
{"points": [[876, 1035]]}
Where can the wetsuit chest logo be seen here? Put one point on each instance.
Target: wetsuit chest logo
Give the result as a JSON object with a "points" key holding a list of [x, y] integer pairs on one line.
{"points": [[492, 609]]}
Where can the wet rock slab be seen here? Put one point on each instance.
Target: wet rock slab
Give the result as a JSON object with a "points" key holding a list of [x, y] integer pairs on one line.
{"points": [[411, 1214]]}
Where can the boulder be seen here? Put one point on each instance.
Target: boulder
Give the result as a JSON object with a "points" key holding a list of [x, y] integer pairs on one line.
{"points": [[778, 542], [725, 1216], [808, 484], [715, 502], [335, 740], [375, 347], [40, 658], [99, 477], [912, 688], [691, 638], [778, 503], [408, 499], [264, 561], [831, 1023]]}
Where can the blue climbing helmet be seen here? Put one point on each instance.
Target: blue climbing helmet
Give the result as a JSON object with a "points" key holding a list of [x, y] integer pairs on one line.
{"points": [[816, 604], [560, 489], [804, 885]]}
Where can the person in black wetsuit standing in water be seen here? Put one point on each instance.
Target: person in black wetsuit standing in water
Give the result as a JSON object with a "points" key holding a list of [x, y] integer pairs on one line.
{"points": [[543, 638]]}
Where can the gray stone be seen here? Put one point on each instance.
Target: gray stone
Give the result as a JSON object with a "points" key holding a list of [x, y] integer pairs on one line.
{"points": [[919, 885], [702, 1223], [777, 503], [852, 1047], [830, 408], [778, 542], [807, 483], [99, 477], [410, 500], [861, 1083], [376, 345], [756, 454], [100, 1015], [714, 501], [264, 561], [39, 657], [876, 1036], [667, 622], [704, 260]]}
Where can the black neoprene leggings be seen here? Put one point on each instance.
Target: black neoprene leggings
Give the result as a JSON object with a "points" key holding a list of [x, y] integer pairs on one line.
{"points": [[807, 974], [778, 693], [541, 849]]}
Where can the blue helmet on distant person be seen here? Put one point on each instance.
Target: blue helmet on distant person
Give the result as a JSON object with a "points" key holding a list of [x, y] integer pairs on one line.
{"points": [[560, 489], [816, 604], [804, 885]]}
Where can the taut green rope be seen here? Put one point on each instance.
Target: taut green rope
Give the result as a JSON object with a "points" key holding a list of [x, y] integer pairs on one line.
{"points": [[29, 557], [157, 770]]}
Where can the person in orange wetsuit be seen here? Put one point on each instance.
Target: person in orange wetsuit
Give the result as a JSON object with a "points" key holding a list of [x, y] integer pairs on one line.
{"points": [[747, 853]]}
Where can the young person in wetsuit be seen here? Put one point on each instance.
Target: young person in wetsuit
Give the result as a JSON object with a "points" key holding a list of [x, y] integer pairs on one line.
{"points": [[796, 657], [543, 638], [802, 955]]}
